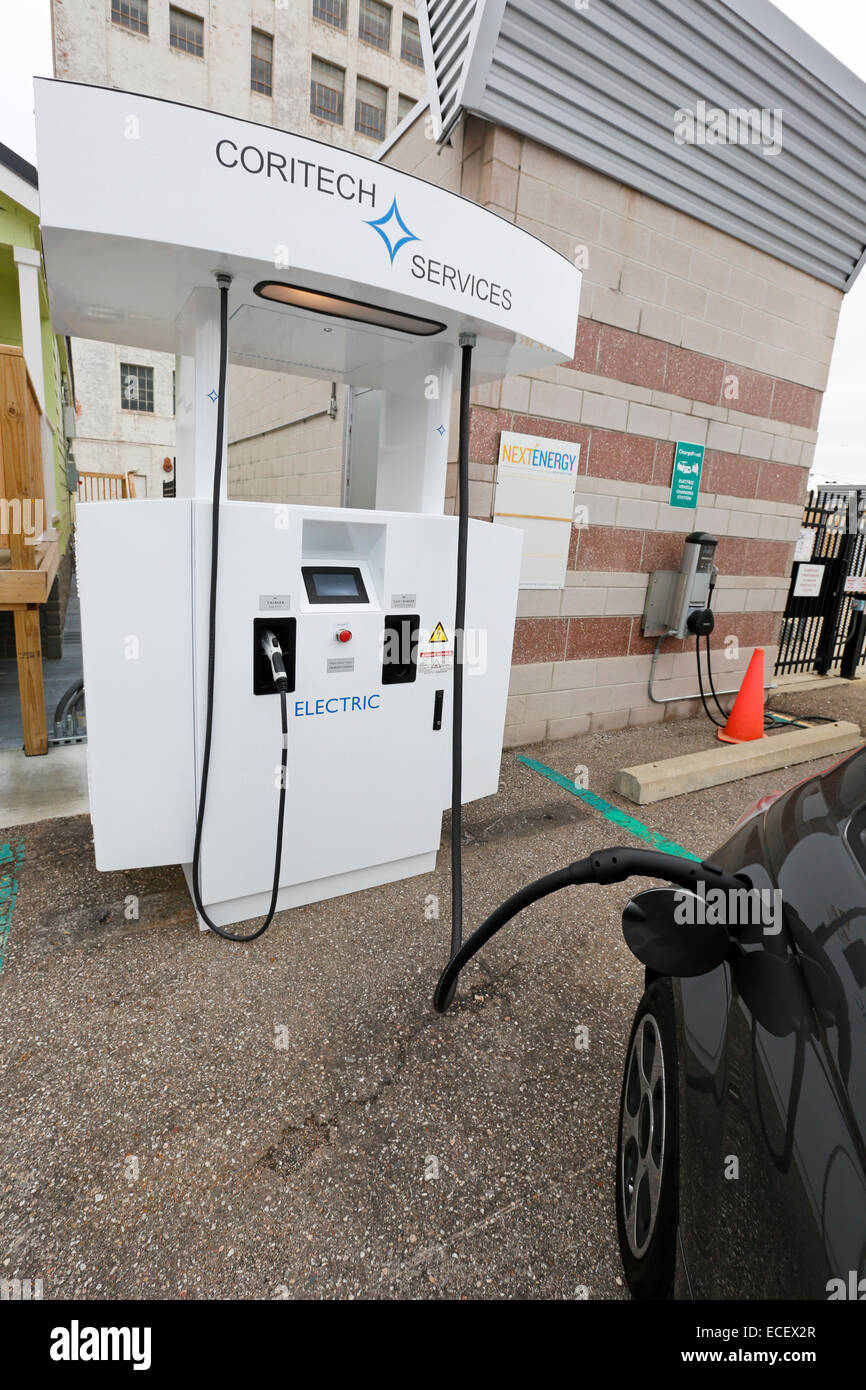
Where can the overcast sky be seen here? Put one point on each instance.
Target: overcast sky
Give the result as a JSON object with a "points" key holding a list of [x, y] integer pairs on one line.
{"points": [[840, 25]]}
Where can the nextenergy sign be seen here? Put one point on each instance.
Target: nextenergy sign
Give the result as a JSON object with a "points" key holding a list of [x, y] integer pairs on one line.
{"points": [[522, 451], [182, 177], [535, 480]]}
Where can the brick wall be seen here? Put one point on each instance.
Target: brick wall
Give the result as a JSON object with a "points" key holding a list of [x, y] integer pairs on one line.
{"points": [[685, 333]]}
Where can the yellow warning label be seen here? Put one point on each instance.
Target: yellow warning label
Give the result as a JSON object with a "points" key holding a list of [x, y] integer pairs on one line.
{"points": [[438, 634]]}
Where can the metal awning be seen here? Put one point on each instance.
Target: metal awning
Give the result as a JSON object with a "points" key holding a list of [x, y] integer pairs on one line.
{"points": [[603, 81]]}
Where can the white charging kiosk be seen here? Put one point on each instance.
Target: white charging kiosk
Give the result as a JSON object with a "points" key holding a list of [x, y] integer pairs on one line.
{"points": [[341, 268]]}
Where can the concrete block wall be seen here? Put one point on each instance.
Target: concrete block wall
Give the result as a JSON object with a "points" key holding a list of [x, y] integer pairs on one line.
{"points": [[271, 459], [685, 334]]}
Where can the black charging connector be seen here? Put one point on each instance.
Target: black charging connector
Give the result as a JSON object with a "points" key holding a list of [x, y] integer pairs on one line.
{"points": [[701, 622]]}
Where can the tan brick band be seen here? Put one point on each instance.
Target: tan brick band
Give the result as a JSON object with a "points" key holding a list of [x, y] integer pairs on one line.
{"points": [[603, 350]]}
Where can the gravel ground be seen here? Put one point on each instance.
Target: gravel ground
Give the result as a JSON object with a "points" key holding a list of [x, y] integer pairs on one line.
{"points": [[185, 1118]]}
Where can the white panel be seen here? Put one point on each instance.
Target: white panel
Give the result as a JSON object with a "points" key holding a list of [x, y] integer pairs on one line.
{"points": [[535, 480], [367, 786], [369, 776], [493, 569], [134, 580]]}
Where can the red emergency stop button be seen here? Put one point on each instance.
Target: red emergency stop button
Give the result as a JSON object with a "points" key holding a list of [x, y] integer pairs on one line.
{"points": [[344, 635]]}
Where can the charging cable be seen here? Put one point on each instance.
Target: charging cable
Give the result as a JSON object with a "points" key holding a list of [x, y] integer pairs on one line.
{"points": [[467, 342], [604, 866], [270, 647]]}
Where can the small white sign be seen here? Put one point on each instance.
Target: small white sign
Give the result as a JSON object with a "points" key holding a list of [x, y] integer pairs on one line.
{"points": [[808, 581], [535, 480], [855, 584], [805, 545], [274, 603]]}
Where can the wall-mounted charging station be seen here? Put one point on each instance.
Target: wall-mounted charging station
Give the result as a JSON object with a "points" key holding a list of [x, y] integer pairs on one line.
{"points": [[675, 599], [225, 242]]}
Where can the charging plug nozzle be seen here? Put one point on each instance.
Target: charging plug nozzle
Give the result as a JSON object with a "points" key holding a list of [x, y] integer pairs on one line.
{"points": [[274, 652]]}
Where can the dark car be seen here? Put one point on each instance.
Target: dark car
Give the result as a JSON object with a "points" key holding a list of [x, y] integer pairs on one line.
{"points": [[741, 1163]]}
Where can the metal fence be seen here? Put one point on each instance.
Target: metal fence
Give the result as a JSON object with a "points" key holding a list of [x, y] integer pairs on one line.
{"points": [[822, 599]]}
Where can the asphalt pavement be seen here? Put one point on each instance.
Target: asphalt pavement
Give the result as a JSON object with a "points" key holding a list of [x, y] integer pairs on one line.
{"points": [[187, 1118]]}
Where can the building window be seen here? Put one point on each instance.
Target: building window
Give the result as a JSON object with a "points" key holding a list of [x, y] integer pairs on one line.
{"points": [[404, 106], [410, 44], [186, 32], [136, 387], [132, 14], [327, 86], [371, 102], [374, 24], [330, 12], [262, 63]]}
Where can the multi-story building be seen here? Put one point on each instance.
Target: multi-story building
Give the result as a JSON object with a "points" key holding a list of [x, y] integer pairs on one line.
{"points": [[343, 71]]}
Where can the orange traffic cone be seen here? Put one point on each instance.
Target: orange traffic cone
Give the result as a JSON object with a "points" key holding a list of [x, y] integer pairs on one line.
{"points": [[746, 719]]}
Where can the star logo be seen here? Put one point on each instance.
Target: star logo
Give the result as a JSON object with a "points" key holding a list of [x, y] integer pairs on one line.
{"points": [[213, 396], [389, 228]]}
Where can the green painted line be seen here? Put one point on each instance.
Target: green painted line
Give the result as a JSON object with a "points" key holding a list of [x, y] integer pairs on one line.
{"points": [[612, 813], [10, 862]]}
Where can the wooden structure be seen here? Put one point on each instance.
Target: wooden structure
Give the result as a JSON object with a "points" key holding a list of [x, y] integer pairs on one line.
{"points": [[105, 487], [29, 555]]}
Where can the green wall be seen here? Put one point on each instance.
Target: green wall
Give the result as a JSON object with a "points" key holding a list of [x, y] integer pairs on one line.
{"points": [[19, 227]]}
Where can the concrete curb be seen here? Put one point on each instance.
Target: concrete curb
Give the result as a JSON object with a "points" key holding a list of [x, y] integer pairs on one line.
{"points": [[728, 762]]}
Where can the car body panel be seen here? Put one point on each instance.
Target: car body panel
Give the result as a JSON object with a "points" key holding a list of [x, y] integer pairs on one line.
{"points": [[773, 1062]]}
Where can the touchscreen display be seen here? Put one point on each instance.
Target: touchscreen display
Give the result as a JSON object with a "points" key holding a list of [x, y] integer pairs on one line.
{"points": [[334, 584]]}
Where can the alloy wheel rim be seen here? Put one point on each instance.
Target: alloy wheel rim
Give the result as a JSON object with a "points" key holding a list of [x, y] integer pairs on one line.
{"points": [[642, 1135]]}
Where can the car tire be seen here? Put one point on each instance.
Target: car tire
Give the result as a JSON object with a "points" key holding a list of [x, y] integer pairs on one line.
{"points": [[647, 1152]]}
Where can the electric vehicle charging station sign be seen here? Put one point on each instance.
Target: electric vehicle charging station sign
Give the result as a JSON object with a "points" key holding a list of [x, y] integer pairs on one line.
{"points": [[535, 479], [686, 480]]}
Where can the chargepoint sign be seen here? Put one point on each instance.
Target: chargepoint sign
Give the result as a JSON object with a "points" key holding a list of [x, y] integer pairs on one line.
{"points": [[161, 173]]}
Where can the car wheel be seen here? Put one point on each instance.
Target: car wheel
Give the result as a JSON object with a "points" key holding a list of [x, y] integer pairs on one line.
{"points": [[646, 1157]]}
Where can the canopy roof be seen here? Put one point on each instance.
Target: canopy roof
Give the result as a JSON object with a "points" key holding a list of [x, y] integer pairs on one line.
{"points": [[161, 196]]}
